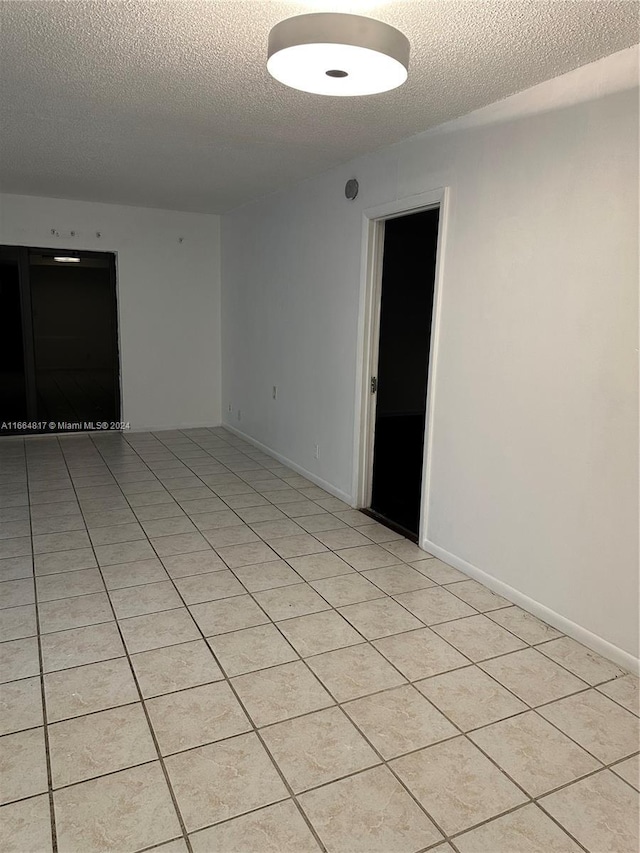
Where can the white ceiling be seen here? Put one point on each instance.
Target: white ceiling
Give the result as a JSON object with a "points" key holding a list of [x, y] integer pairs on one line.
{"points": [[169, 104]]}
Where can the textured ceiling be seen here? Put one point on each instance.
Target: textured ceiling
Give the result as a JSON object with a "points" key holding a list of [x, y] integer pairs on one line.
{"points": [[169, 104]]}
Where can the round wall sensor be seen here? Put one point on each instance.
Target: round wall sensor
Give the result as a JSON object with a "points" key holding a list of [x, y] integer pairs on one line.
{"points": [[351, 189]]}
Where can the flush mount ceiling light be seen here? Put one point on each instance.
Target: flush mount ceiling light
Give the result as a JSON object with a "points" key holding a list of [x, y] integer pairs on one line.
{"points": [[63, 259], [337, 54]]}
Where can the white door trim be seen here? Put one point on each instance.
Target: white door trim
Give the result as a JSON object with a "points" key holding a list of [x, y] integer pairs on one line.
{"points": [[368, 339]]}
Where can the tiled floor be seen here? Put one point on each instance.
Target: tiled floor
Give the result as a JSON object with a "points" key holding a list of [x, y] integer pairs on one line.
{"points": [[207, 652]]}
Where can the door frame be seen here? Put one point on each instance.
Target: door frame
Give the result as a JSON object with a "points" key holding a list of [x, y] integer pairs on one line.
{"points": [[369, 338]]}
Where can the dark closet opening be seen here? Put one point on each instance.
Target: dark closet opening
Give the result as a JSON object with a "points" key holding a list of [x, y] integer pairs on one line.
{"points": [[408, 284], [59, 362]]}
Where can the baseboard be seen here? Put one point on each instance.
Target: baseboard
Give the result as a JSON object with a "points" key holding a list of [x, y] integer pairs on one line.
{"points": [[165, 427], [130, 431], [318, 481], [571, 629]]}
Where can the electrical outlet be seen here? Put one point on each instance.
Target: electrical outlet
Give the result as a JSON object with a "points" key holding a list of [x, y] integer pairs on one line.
{"points": [[239, 415], [316, 452], [274, 393], [230, 407]]}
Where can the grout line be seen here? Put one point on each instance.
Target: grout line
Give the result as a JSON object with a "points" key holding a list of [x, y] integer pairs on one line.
{"points": [[362, 733], [54, 837], [304, 660], [146, 713], [227, 680], [437, 709]]}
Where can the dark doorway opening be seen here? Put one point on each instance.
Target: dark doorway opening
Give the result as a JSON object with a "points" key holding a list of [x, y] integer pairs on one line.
{"points": [[406, 309], [13, 382], [59, 365]]}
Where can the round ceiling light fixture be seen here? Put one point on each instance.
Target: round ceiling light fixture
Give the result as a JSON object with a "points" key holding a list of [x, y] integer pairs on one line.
{"points": [[328, 53]]}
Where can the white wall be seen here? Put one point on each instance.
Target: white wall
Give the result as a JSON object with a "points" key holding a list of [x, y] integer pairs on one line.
{"points": [[168, 298], [534, 465]]}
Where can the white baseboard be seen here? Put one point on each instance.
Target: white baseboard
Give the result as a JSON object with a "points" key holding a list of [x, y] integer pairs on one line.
{"points": [[204, 425], [328, 487], [571, 629]]}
